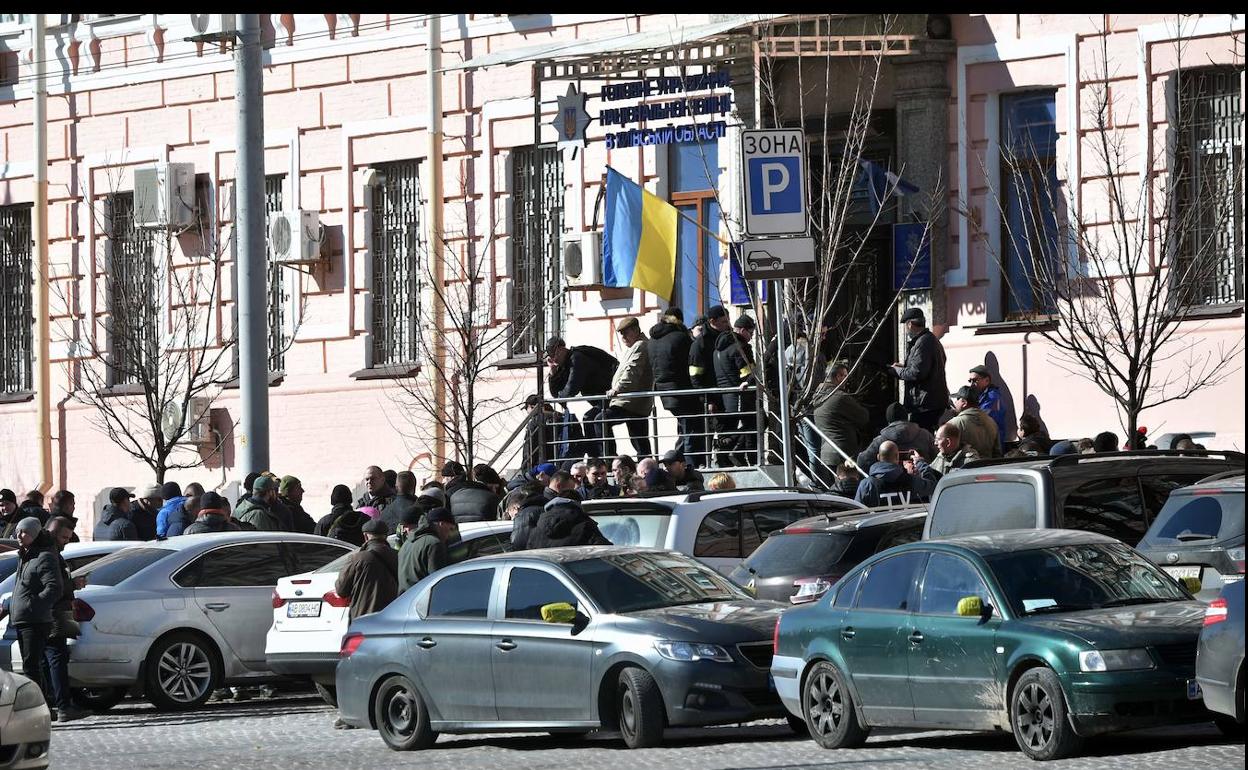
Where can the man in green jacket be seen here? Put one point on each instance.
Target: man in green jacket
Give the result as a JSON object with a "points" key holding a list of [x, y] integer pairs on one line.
{"points": [[257, 510], [425, 552]]}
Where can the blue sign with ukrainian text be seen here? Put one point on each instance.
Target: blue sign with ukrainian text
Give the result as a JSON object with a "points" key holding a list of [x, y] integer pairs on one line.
{"points": [[912, 257]]}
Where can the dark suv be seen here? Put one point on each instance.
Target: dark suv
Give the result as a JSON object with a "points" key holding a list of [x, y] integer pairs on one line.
{"points": [[1199, 534], [802, 561], [1111, 493]]}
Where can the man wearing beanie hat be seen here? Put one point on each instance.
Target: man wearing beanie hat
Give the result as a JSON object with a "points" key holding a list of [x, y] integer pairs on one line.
{"points": [[669, 346], [8, 508], [257, 510], [370, 579], [343, 522], [213, 517], [290, 493], [425, 551]]}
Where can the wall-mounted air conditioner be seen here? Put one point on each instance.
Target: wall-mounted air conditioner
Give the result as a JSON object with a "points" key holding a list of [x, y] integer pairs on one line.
{"points": [[214, 26], [582, 258], [295, 236], [164, 196]]}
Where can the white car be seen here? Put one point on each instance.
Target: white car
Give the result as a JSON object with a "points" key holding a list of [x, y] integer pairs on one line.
{"points": [[717, 528], [25, 723], [310, 619]]}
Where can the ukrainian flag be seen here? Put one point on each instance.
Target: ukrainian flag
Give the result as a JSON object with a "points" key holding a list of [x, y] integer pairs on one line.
{"points": [[638, 239]]}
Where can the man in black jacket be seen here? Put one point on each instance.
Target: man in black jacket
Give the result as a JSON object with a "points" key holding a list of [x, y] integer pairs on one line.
{"points": [[561, 485], [36, 590], [927, 392], [114, 523], [290, 494], [702, 370], [583, 370], [564, 523], [669, 347], [471, 500], [405, 500], [734, 368]]}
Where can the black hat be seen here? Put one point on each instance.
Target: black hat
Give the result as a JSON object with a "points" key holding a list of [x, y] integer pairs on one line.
{"points": [[716, 311], [452, 468], [913, 314], [7, 496], [744, 322], [439, 514], [981, 370], [966, 393], [657, 478], [553, 344], [170, 490], [672, 456], [211, 499], [375, 527], [411, 515], [675, 312], [117, 494], [896, 413]]}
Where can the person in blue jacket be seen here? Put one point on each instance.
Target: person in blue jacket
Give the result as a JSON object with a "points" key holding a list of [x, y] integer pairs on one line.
{"points": [[989, 398], [172, 495]]}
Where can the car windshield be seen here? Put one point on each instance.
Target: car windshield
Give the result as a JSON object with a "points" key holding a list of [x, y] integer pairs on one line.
{"points": [[647, 530], [630, 582], [799, 554], [1198, 518], [118, 566], [1080, 577]]}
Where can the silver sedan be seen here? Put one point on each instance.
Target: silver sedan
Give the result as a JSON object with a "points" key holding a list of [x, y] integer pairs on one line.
{"points": [[561, 639], [181, 617]]}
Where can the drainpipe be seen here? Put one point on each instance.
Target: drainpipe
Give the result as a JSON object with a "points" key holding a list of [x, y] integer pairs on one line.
{"points": [[39, 220], [436, 245]]}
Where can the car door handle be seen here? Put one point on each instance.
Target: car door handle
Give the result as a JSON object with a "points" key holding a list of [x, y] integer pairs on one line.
{"points": [[427, 643], [916, 637], [506, 645], [217, 606], [848, 633]]}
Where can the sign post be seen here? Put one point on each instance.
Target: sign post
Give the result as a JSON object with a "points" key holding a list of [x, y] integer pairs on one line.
{"points": [[774, 163]]}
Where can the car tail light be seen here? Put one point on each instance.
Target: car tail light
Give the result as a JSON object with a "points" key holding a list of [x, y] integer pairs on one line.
{"points": [[985, 478], [1215, 612], [82, 611], [1237, 557], [350, 643], [797, 530], [277, 600], [775, 639], [301, 582], [334, 600]]}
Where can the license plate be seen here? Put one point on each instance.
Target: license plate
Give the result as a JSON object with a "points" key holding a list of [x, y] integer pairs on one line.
{"points": [[303, 610], [1193, 690], [1178, 573]]}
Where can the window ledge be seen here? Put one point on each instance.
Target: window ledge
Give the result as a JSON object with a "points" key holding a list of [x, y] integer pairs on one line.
{"points": [[275, 378], [121, 390], [519, 362], [17, 397], [1214, 311], [387, 372], [1016, 326]]}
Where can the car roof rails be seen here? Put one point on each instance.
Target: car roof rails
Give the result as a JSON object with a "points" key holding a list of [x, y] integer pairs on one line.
{"points": [[1221, 476], [1197, 453], [693, 497]]}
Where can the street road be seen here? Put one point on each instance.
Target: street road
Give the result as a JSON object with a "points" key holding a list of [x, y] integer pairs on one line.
{"points": [[296, 732]]}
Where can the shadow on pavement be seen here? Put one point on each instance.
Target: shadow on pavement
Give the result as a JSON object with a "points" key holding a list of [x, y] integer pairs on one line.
{"points": [[1117, 744], [122, 717]]}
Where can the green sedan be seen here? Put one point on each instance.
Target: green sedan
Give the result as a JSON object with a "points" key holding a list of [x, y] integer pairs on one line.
{"points": [[1054, 634]]}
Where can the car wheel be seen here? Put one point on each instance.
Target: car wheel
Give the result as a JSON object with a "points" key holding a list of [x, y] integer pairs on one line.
{"points": [[1038, 716], [328, 693], [798, 725], [181, 672], [640, 710], [829, 709], [401, 716], [98, 699]]}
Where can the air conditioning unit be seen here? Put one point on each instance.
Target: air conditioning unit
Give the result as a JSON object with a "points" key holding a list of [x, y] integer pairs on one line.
{"points": [[295, 236], [213, 26], [164, 196], [582, 258], [196, 420]]}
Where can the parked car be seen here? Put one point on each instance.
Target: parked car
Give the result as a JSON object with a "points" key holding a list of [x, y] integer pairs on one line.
{"points": [[310, 619], [1199, 533], [183, 616], [561, 639], [1055, 635], [717, 528], [1220, 659], [799, 563], [25, 723], [1113, 493]]}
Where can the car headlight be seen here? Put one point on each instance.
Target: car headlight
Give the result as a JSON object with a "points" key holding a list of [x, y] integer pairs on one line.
{"points": [[690, 651], [810, 590], [1115, 660], [28, 697]]}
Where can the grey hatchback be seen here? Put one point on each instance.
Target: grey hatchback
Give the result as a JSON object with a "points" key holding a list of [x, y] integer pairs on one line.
{"points": [[563, 640]]}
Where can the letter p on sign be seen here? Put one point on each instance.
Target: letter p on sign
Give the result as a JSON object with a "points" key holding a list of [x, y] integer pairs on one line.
{"points": [[776, 188]]}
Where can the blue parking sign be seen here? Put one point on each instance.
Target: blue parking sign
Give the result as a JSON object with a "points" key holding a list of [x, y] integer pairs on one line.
{"points": [[773, 161], [775, 185]]}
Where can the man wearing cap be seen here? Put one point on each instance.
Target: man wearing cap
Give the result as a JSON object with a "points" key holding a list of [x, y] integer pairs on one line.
{"points": [[989, 399], [370, 578], [425, 551], [927, 393], [702, 369], [543, 473], [213, 516], [257, 510], [634, 374], [669, 346], [734, 368], [114, 523], [290, 494], [684, 477], [143, 510], [975, 426]]}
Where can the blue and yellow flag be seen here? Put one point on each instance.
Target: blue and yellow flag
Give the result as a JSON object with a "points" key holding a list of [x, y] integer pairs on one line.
{"points": [[638, 238]]}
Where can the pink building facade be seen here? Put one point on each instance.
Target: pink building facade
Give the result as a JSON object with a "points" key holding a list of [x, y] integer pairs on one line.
{"points": [[347, 136]]}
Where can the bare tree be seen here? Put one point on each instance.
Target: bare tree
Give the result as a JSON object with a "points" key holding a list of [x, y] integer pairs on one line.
{"points": [[1116, 286]]}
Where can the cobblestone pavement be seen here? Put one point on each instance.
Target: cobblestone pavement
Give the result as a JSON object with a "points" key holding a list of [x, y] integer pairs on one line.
{"points": [[295, 732]]}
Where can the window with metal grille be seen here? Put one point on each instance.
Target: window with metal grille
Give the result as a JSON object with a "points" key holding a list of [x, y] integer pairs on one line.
{"points": [[398, 248], [16, 319], [278, 297], [1209, 199], [536, 225], [130, 284]]}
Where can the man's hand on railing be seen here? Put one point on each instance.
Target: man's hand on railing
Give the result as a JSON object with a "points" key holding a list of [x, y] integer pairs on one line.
{"points": [[611, 393]]}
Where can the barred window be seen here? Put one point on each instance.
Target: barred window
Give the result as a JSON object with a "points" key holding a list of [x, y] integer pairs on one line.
{"points": [[1209, 198], [278, 334], [536, 225], [398, 248], [16, 318], [130, 285]]}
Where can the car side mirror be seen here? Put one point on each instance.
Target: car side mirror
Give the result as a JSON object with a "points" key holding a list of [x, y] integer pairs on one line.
{"points": [[970, 607], [558, 612], [1193, 585]]}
